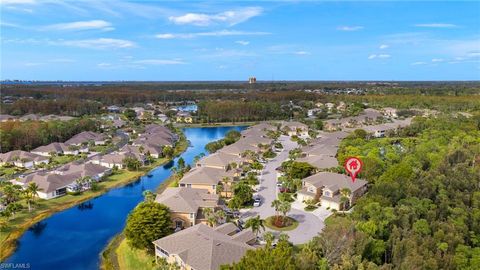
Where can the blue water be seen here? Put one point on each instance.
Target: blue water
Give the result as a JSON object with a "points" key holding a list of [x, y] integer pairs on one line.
{"points": [[74, 238], [188, 108]]}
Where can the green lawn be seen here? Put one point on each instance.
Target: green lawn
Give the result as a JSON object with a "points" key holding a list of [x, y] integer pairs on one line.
{"points": [[9, 170], [129, 258]]}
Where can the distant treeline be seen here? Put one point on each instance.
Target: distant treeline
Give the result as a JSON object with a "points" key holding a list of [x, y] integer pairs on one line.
{"points": [[82, 100], [28, 135], [67, 106]]}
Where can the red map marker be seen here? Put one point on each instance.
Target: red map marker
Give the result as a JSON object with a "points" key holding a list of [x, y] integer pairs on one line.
{"points": [[353, 166]]}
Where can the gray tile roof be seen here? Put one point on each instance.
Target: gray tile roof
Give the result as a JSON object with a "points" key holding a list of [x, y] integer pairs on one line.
{"points": [[205, 175], [334, 181], [203, 248], [86, 136], [219, 159], [187, 200], [19, 155]]}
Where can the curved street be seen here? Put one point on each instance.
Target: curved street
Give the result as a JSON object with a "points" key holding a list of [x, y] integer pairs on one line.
{"points": [[310, 223]]}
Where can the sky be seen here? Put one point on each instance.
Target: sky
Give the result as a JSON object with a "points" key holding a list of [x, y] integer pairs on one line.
{"points": [[233, 40]]}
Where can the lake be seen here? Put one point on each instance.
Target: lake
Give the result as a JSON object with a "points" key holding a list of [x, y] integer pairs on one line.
{"points": [[74, 238]]}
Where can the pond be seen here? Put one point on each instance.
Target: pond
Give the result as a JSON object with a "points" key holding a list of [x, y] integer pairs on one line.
{"points": [[74, 238]]}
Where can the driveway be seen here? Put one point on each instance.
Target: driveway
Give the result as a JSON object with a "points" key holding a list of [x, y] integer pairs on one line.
{"points": [[310, 224]]}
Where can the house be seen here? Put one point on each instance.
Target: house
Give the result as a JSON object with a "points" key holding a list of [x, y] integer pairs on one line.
{"points": [[295, 128], [144, 149], [22, 159], [95, 171], [56, 183], [6, 118], [118, 123], [116, 159], [390, 112], [113, 109], [238, 148], [87, 137], [162, 117], [220, 160], [327, 187], [186, 205], [51, 185], [184, 117], [30, 117], [329, 106], [202, 248], [57, 148], [206, 178]]}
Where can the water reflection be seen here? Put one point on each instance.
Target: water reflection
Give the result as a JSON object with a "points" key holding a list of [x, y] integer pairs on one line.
{"points": [[38, 228], [85, 206]]}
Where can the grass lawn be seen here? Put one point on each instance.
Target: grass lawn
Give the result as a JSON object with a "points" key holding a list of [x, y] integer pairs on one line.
{"points": [[45, 208], [129, 258], [292, 224], [10, 170]]}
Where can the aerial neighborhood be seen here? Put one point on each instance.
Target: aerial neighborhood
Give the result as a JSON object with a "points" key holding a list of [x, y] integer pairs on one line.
{"points": [[254, 187]]}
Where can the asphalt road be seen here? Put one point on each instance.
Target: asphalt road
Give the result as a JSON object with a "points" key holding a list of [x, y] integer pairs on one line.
{"points": [[309, 223]]}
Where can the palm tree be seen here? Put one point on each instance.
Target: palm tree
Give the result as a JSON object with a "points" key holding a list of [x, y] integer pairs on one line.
{"points": [[256, 224], [276, 205], [225, 181], [283, 237], [268, 237], [148, 196], [220, 216], [211, 219], [345, 199], [285, 207], [30, 193]]}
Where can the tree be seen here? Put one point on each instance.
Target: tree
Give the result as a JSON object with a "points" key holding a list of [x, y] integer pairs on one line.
{"points": [[284, 208], [31, 192], [278, 258], [167, 151], [13, 208], [269, 237], [132, 163], [130, 114], [149, 196], [276, 205], [345, 199], [148, 222], [11, 193], [226, 182], [256, 224]]}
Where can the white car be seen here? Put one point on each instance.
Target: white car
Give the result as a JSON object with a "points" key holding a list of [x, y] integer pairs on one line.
{"points": [[256, 202]]}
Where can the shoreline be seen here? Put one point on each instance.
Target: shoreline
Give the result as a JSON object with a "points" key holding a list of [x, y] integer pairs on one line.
{"points": [[220, 124], [9, 242], [108, 256]]}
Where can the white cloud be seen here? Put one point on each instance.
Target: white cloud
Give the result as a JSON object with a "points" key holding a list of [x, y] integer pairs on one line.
{"points": [[99, 43], [62, 60], [436, 25], [242, 42], [81, 25], [230, 17], [17, 2], [381, 56], [436, 60], [302, 53], [32, 64], [104, 65], [383, 46], [350, 28], [220, 33], [418, 63], [159, 62]]}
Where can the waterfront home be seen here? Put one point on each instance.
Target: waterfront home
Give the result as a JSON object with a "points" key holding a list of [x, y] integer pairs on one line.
{"points": [[238, 148], [329, 188], [143, 149], [56, 183], [86, 137], [187, 204], [208, 178], [51, 185], [255, 141], [22, 159], [184, 117], [220, 160], [116, 159], [57, 148], [259, 130], [294, 128], [201, 248], [156, 135], [94, 171]]}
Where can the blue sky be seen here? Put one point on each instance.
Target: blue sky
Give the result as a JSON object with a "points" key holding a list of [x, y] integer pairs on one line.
{"points": [[229, 40]]}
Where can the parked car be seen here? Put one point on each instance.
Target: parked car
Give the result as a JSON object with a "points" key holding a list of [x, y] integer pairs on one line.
{"points": [[257, 202], [279, 184]]}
